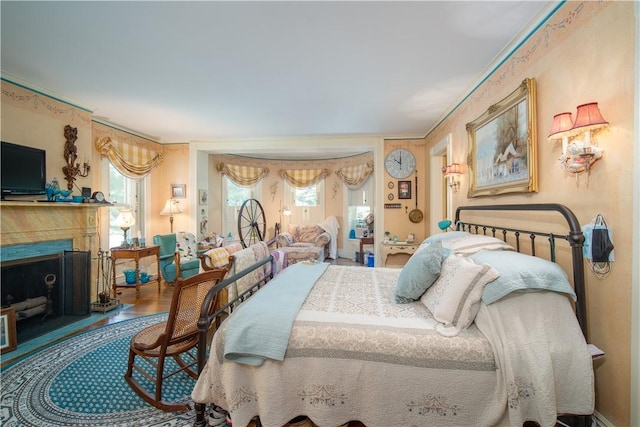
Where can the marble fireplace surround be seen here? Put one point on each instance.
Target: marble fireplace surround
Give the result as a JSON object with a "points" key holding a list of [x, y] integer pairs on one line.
{"points": [[31, 229]]}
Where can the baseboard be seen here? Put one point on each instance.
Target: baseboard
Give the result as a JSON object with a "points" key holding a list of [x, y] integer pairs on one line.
{"points": [[601, 421]]}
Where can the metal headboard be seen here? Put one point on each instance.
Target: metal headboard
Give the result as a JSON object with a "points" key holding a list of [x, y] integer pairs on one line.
{"points": [[575, 238]]}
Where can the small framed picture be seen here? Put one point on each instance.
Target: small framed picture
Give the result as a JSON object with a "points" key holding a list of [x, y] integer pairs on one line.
{"points": [[8, 334], [203, 197], [178, 191], [404, 189]]}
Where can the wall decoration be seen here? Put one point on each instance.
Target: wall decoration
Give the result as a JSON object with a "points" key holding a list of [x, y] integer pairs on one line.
{"points": [[502, 146], [404, 189], [203, 197], [392, 206], [390, 196], [390, 184], [178, 191], [8, 334]]}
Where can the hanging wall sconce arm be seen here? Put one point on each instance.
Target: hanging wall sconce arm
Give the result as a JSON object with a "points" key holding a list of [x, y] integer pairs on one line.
{"points": [[72, 169]]}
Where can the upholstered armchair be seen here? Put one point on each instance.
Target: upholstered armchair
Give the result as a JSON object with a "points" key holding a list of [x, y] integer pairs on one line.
{"points": [[185, 245], [302, 242]]}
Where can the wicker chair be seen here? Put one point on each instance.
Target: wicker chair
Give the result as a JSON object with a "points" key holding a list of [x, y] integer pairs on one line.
{"points": [[176, 337]]}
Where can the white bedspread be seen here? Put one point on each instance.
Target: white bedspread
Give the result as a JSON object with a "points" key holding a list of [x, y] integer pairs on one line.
{"points": [[354, 354]]}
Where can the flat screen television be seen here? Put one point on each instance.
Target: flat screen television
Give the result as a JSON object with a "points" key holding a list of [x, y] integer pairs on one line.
{"points": [[24, 170]]}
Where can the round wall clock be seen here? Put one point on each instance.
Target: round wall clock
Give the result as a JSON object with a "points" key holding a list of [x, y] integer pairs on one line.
{"points": [[400, 163]]}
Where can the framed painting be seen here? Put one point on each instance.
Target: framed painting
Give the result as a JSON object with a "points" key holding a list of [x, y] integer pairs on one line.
{"points": [[404, 189], [502, 146], [8, 334], [178, 191]]}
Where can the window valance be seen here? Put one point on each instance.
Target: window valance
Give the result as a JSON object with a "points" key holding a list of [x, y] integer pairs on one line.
{"points": [[130, 160], [356, 175], [303, 178], [244, 176]]}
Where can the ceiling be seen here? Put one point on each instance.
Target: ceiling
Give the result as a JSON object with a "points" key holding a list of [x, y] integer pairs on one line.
{"points": [[203, 71]]}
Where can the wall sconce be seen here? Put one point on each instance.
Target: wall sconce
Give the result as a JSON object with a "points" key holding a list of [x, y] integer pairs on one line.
{"points": [[452, 173], [125, 220], [72, 169], [171, 208], [578, 152]]}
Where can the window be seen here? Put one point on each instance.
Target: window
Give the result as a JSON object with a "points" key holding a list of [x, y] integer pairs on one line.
{"points": [[359, 203], [305, 204], [235, 195], [127, 192]]}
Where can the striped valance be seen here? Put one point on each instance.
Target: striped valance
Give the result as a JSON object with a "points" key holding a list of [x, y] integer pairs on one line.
{"points": [[245, 176], [303, 178], [354, 176], [132, 161]]}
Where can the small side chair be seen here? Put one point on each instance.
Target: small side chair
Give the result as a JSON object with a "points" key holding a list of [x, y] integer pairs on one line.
{"points": [[177, 338]]}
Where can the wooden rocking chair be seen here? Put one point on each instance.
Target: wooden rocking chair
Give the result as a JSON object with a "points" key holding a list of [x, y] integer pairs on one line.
{"points": [[175, 338]]}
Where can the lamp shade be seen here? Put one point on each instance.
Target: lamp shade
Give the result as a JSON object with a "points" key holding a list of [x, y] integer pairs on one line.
{"points": [[561, 123], [588, 117], [171, 207], [125, 219], [452, 169]]}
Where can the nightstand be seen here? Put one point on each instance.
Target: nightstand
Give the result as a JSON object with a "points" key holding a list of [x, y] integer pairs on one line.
{"points": [[397, 248]]}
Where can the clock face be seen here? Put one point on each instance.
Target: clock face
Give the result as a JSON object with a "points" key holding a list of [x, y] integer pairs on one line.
{"points": [[400, 163]]}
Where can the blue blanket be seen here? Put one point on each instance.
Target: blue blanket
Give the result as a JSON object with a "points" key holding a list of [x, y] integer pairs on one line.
{"points": [[260, 328]]}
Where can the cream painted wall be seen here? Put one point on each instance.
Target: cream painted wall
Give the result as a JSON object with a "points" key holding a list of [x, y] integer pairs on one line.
{"points": [[584, 53]]}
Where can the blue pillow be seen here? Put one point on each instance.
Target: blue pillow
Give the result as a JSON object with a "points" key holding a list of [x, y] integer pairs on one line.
{"points": [[521, 272], [420, 272]]}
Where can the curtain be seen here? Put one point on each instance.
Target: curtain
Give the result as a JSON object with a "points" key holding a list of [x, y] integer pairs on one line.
{"points": [[354, 176], [130, 160], [303, 178], [245, 176]]}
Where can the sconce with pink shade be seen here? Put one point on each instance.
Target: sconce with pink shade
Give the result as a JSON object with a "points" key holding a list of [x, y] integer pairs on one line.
{"points": [[579, 152], [452, 173]]}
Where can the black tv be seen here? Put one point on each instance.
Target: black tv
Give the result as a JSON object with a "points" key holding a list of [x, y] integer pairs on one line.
{"points": [[24, 170]]}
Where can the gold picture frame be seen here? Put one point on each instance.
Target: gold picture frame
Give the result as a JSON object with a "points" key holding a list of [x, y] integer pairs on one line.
{"points": [[178, 191], [502, 146]]}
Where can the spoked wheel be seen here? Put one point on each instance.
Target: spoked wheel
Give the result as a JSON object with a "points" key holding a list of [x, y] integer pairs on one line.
{"points": [[251, 223]]}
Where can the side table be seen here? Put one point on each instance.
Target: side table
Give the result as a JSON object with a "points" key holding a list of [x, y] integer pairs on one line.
{"points": [[134, 254], [397, 248], [364, 241]]}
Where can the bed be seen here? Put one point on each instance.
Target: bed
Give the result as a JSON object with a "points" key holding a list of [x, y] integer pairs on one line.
{"points": [[498, 337]]}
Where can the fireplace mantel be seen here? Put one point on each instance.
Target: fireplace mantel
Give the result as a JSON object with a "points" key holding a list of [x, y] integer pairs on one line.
{"points": [[24, 223]]}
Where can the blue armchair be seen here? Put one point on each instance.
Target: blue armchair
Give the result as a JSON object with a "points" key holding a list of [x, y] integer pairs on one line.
{"points": [[185, 245]]}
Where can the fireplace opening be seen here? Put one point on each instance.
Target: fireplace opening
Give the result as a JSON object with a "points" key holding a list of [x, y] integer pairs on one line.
{"points": [[47, 292]]}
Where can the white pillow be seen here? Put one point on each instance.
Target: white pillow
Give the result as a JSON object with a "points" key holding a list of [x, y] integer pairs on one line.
{"points": [[473, 243], [454, 299]]}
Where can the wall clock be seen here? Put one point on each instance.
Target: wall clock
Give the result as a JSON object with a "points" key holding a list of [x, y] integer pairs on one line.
{"points": [[400, 163]]}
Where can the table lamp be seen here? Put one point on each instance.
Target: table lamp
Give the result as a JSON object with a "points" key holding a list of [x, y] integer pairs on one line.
{"points": [[125, 220], [170, 208]]}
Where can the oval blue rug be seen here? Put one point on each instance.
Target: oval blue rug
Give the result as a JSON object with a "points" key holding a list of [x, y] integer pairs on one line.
{"points": [[79, 381]]}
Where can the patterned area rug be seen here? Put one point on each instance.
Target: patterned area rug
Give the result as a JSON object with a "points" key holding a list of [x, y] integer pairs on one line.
{"points": [[80, 381]]}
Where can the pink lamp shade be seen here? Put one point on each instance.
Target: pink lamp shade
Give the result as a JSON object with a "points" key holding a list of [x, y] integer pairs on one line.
{"points": [[561, 123], [452, 169], [589, 117]]}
